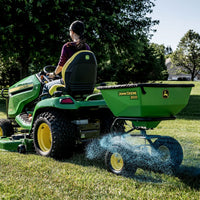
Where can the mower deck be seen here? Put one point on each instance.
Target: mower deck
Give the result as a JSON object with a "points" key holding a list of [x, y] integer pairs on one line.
{"points": [[14, 143]]}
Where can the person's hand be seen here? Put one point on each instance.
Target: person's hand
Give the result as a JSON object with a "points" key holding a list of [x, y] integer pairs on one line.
{"points": [[51, 75]]}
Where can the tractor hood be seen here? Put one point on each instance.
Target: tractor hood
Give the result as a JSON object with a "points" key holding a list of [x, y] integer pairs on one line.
{"points": [[22, 93]]}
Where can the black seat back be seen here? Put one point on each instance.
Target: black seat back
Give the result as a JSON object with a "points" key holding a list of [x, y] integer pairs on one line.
{"points": [[79, 73]]}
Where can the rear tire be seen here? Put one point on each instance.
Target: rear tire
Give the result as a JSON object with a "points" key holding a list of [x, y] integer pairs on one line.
{"points": [[53, 135], [6, 128]]}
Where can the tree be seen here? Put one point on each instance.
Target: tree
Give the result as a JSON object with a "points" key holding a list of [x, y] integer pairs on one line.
{"points": [[9, 71], [159, 69], [33, 32], [152, 64], [120, 29], [30, 30], [187, 54]]}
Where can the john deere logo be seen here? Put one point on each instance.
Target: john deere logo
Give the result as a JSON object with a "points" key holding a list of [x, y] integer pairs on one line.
{"points": [[87, 57], [165, 94]]}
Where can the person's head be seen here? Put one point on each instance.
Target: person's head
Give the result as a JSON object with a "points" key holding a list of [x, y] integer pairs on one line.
{"points": [[77, 34], [77, 30]]}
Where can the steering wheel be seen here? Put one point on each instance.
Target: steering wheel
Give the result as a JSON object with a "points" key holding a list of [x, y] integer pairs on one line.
{"points": [[50, 68]]}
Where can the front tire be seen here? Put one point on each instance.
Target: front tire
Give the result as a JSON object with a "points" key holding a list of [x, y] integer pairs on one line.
{"points": [[6, 128], [118, 161], [53, 135]]}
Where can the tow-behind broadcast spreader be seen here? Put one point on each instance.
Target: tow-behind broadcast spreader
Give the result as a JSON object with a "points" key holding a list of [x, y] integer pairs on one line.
{"points": [[53, 124]]}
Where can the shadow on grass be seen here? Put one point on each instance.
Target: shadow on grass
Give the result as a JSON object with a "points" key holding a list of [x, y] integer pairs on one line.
{"points": [[80, 159], [190, 176], [192, 110]]}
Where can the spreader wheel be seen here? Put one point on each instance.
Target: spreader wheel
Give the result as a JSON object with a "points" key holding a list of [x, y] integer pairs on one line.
{"points": [[6, 128], [170, 151], [53, 135], [116, 161]]}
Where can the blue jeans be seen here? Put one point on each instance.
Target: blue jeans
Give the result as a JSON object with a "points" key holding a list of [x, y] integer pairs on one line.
{"points": [[47, 86]]}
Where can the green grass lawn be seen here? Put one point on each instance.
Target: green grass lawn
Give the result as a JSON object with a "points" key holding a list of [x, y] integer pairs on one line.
{"points": [[34, 177]]}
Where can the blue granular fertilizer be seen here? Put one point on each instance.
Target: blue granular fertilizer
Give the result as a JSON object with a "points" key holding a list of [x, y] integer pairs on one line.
{"points": [[132, 153]]}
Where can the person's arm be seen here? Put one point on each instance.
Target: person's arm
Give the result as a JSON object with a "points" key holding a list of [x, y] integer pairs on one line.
{"points": [[58, 69], [56, 72], [62, 61]]}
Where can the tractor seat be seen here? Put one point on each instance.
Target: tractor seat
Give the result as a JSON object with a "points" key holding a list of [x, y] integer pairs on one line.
{"points": [[78, 74]]}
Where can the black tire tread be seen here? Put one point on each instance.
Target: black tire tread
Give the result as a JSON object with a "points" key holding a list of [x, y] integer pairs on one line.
{"points": [[129, 169], [7, 127], [63, 134], [176, 151]]}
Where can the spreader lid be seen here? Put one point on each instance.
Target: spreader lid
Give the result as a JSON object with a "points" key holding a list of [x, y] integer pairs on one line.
{"points": [[143, 85]]}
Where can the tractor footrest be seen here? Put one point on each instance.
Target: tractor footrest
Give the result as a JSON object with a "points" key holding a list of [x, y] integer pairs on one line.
{"points": [[20, 136], [25, 118]]}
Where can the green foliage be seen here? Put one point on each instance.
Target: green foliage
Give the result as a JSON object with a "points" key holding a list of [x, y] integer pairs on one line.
{"points": [[118, 33], [9, 73], [150, 67], [33, 32], [30, 31], [187, 55], [153, 63]]}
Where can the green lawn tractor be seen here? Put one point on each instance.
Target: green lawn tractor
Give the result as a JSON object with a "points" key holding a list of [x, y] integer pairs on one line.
{"points": [[71, 114], [56, 123]]}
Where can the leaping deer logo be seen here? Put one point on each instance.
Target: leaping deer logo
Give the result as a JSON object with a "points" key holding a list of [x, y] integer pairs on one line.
{"points": [[165, 94]]}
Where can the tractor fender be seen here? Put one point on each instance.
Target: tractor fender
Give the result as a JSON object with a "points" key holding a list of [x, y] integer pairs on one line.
{"points": [[54, 102]]}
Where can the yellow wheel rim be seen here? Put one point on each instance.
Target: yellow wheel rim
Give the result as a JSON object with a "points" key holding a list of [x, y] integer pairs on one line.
{"points": [[44, 137], [164, 153], [116, 161], [1, 132]]}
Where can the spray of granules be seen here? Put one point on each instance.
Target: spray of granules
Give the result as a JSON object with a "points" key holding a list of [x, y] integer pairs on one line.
{"points": [[133, 153]]}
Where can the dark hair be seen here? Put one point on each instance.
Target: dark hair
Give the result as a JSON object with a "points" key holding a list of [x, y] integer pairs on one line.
{"points": [[78, 28]]}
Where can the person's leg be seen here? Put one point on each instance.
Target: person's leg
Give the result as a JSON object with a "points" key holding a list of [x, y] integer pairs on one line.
{"points": [[47, 86]]}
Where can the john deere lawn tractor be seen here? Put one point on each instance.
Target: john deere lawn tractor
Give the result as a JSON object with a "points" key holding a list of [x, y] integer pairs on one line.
{"points": [[71, 114], [68, 116]]}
